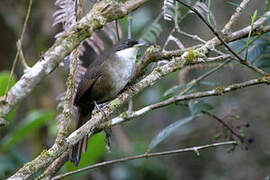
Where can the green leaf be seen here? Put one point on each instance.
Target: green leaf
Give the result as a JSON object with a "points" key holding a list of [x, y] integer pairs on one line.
{"points": [[258, 50], [150, 37], [124, 19], [28, 125], [217, 136], [196, 107], [162, 135], [232, 149], [95, 151], [174, 89], [4, 76], [152, 33], [156, 29], [263, 63], [254, 17], [267, 5]]}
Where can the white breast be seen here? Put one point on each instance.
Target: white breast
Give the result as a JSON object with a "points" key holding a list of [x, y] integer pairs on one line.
{"points": [[122, 68]]}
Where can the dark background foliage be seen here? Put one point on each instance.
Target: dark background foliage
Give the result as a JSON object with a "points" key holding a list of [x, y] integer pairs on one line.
{"points": [[33, 128]]}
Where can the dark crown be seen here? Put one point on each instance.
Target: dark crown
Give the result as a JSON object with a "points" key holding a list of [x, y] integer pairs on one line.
{"points": [[125, 44]]}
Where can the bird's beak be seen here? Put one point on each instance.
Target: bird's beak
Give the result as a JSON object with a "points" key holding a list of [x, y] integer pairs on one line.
{"points": [[141, 43]]}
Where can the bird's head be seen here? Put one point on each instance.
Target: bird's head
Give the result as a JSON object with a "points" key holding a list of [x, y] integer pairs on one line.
{"points": [[129, 43], [128, 48]]}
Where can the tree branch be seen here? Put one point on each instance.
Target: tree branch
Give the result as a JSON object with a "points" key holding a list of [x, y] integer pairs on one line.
{"points": [[91, 126], [54, 167], [147, 155], [101, 13], [258, 28], [214, 92], [67, 114], [19, 49], [241, 60], [68, 41], [227, 28]]}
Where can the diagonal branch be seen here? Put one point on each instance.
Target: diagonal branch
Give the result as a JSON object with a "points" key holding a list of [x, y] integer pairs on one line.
{"points": [[67, 115], [70, 40], [241, 60], [101, 13], [258, 28], [50, 59], [227, 28], [75, 136], [175, 99], [58, 148], [19, 48], [90, 127]]}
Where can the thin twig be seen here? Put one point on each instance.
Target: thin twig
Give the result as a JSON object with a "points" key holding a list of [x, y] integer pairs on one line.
{"points": [[19, 47], [195, 37], [222, 41], [196, 81], [26, 19], [125, 116], [258, 27], [176, 26], [147, 155], [130, 21], [11, 74], [117, 30], [211, 28], [241, 138], [23, 61]]}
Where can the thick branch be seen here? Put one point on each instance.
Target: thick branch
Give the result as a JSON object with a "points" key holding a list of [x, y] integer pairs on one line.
{"points": [[214, 92], [100, 14], [54, 167], [90, 127]]}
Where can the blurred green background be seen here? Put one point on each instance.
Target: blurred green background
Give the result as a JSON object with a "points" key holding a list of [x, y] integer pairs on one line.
{"points": [[32, 125]]}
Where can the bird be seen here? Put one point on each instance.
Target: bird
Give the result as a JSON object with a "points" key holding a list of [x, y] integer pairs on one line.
{"points": [[103, 80]]}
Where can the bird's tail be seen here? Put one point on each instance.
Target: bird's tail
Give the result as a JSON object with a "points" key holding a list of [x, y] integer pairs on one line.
{"points": [[81, 146]]}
